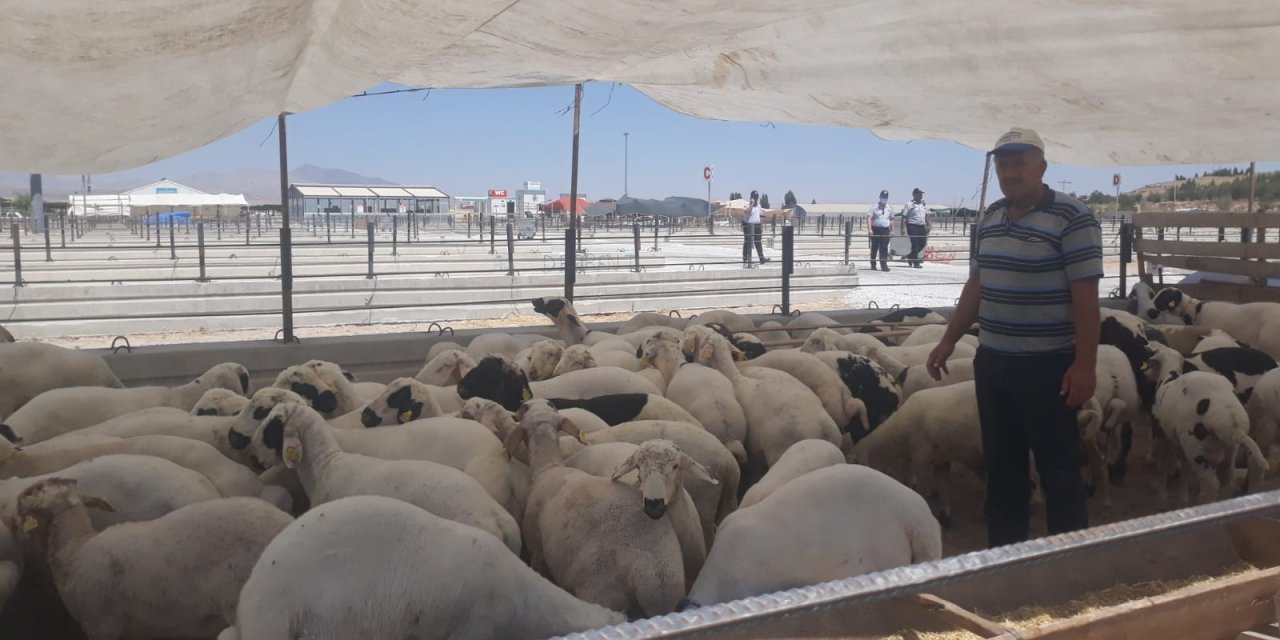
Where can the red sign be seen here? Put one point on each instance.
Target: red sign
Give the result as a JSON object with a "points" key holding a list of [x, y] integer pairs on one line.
{"points": [[497, 193], [1115, 180], [706, 173]]}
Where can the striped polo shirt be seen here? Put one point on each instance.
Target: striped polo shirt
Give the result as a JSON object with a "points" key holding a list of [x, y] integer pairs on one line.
{"points": [[1025, 268]]}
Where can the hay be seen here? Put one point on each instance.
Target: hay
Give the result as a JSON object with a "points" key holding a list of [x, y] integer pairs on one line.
{"points": [[1030, 617]]}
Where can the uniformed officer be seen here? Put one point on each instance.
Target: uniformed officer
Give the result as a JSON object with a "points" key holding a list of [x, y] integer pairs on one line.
{"points": [[879, 227], [917, 224]]}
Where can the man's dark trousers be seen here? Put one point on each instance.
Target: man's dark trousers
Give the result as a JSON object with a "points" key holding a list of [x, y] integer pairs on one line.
{"points": [[1021, 409], [880, 245], [919, 239], [750, 236]]}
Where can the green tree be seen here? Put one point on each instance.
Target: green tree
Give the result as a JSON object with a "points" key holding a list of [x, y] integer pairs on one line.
{"points": [[789, 200], [1223, 203], [1154, 198], [814, 201], [22, 202], [735, 195], [764, 200]]}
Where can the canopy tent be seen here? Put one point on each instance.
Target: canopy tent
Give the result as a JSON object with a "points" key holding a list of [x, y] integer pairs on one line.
{"points": [[113, 88], [561, 205], [141, 204]]}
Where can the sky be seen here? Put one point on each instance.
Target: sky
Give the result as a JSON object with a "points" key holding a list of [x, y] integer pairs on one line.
{"points": [[471, 140]]}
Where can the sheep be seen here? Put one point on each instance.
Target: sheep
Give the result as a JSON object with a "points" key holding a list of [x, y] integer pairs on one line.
{"points": [[28, 369], [618, 408], [802, 326], [1182, 338], [832, 523], [1254, 323], [219, 402], [501, 423], [637, 338], [302, 587], [1264, 410], [68, 409], [648, 319], [823, 339], [702, 391], [306, 444], [615, 357], [465, 445], [570, 325], [749, 344], [1216, 339], [1143, 296], [779, 412], [586, 533], [905, 317], [1241, 366], [662, 473], [799, 459], [732, 321], [777, 332], [438, 348], [574, 358], [917, 378], [11, 565], [869, 382], [499, 379], [323, 386], [932, 334], [404, 400], [503, 344], [1200, 412], [539, 360], [847, 411], [139, 487], [1119, 397], [177, 575], [446, 368]]}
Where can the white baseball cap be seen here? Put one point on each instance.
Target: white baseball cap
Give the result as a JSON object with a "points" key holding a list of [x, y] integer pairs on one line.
{"points": [[1018, 139]]}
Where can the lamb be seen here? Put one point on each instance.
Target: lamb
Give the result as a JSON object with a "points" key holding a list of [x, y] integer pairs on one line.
{"points": [[1216, 339], [894, 359], [779, 412], [499, 379], [1264, 411], [28, 369], [500, 344], [219, 402], [905, 317], [869, 382], [932, 334], [404, 400], [832, 523], [916, 377], [1254, 323], [702, 391], [323, 386], [502, 423], [186, 589], [778, 333], [540, 360], [570, 325], [799, 459], [574, 358], [586, 533], [64, 410], [648, 319], [446, 368], [297, 587], [1143, 296], [1241, 366], [637, 338], [734, 322], [1120, 402], [618, 408], [327, 473], [847, 411], [801, 327], [438, 348]]}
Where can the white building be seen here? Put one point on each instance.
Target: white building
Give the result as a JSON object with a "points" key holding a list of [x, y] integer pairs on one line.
{"points": [[159, 197]]}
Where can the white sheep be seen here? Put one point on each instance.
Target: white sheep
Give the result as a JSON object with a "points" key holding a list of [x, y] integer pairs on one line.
{"points": [[574, 358], [501, 380], [1216, 339], [354, 568], [438, 348], [847, 411], [219, 402], [587, 533], [732, 321], [323, 386], [68, 409], [799, 459], [831, 523], [637, 338], [179, 575], [446, 368], [329, 473], [801, 327], [503, 344], [568, 323], [539, 360], [867, 381], [932, 334], [1264, 411], [650, 320], [777, 334], [28, 369], [916, 377], [403, 400], [1254, 323], [702, 391]]}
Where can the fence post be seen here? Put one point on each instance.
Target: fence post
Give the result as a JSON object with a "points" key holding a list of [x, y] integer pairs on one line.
{"points": [[848, 238], [328, 228], [570, 263], [1126, 255], [247, 224], [493, 225], [62, 228], [219, 224], [48, 248], [511, 249], [368, 227], [17, 256], [822, 225], [395, 232], [655, 233], [468, 227], [788, 264], [711, 227], [173, 246], [636, 233], [286, 279], [200, 246]]}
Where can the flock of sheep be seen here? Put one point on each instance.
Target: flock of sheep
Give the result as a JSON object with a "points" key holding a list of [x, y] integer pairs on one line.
{"points": [[524, 487]]}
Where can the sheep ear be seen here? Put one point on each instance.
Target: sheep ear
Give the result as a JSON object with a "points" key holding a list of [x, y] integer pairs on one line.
{"points": [[859, 408], [348, 375], [292, 448], [706, 352], [94, 502], [690, 465], [625, 467], [520, 413], [738, 354], [514, 440], [567, 426]]}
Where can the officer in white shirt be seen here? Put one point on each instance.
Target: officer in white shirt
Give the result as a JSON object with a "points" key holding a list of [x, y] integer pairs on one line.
{"points": [[917, 224], [880, 227], [751, 221]]}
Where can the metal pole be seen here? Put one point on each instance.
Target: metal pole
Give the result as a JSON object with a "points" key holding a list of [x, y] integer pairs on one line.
{"points": [[573, 176], [570, 264], [200, 247], [626, 163], [1126, 255], [493, 225], [247, 214], [37, 203], [173, 246], [848, 238], [62, 228], [17, 255], [395, 232], [511, 250], [655, 234], [636, 233], [368, 226], [982, 204], [788, 264], [48, 247], [286, 237]]}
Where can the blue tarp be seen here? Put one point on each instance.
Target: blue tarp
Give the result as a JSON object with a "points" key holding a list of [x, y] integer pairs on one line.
{"points": [[164, 218]]}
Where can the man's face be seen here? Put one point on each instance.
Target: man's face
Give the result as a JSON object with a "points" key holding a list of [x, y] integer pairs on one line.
{"points": [[916, 195], [1020, 173]]}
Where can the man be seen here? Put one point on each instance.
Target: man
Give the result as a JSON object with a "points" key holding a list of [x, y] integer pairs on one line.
{"points": [[751, 220], [916, 223], [879, 226], [1033, 289]]}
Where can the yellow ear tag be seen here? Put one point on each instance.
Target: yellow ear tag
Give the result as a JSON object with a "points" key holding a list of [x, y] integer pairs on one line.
{"points": [[526, 394], [582, 438], [644, 361], [406, 416], [292, 454], [29, 524]]}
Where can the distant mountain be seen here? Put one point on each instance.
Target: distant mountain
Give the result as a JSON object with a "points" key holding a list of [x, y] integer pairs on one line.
{"points": [[258, 185]]}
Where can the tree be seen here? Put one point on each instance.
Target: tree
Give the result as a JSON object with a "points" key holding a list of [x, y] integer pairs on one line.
{"points": [[1154, 198], [764, 200], [22, 202], [736, 195], [789, 200], [814, 201], [1223, 203]]}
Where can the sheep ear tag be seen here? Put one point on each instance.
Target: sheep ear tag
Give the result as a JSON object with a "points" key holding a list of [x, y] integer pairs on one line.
{"points": [[292, 455], [406, 416], [706, 352], [29, 524], [526, 394]]}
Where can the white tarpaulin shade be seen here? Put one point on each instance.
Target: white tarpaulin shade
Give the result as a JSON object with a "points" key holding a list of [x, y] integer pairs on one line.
{"points": [[141, 203], [99, 86]]}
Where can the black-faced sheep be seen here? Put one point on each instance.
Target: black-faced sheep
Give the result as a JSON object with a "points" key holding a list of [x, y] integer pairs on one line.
{"points": [[1254, 323], [499, 379]]}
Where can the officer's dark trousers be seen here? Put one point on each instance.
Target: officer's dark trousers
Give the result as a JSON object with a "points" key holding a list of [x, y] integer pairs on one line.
{"points": [[919, 240], [1021, 410], [880, 246], [750, 236]]}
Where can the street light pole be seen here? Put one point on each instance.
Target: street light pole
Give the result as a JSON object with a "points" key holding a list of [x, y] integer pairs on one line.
{"points": [[626, 189]]}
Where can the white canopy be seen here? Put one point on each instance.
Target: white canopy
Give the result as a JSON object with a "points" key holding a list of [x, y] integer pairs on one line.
{"points": [[120, 84], [124, 204]]}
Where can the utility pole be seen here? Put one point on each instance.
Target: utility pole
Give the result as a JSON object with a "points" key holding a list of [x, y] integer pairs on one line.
{"points": [[1064, 184], [626, 156]]}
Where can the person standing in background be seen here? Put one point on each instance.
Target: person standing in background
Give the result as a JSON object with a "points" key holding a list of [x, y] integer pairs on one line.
{"points": [[751, 221], [879, 227], [916, 224]]}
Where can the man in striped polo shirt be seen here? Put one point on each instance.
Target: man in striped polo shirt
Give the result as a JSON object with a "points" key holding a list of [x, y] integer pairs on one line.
{"points": [[1033, 289]]}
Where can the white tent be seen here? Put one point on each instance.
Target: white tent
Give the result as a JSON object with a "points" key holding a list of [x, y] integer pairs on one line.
{"points": [[146, 203], [1133, 82]]}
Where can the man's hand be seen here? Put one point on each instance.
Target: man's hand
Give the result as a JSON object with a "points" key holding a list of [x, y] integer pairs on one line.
{"points": [[937, 363], [1077, 385]]}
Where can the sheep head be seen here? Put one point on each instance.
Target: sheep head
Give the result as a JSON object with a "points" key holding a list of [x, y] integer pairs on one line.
{"points": [[564, 316], [660, 467], [821, 339], [1179, 304], [748, 345], [253, 414], [40, 503], [227, 375], [404, 400], [490, 414], [219, 402], [695, 337], [660, 354], [1165, 365], [496, 378], [539, 419], [446, 368], [277, 440], [307, 381], [544, 356], [575, 358]]}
